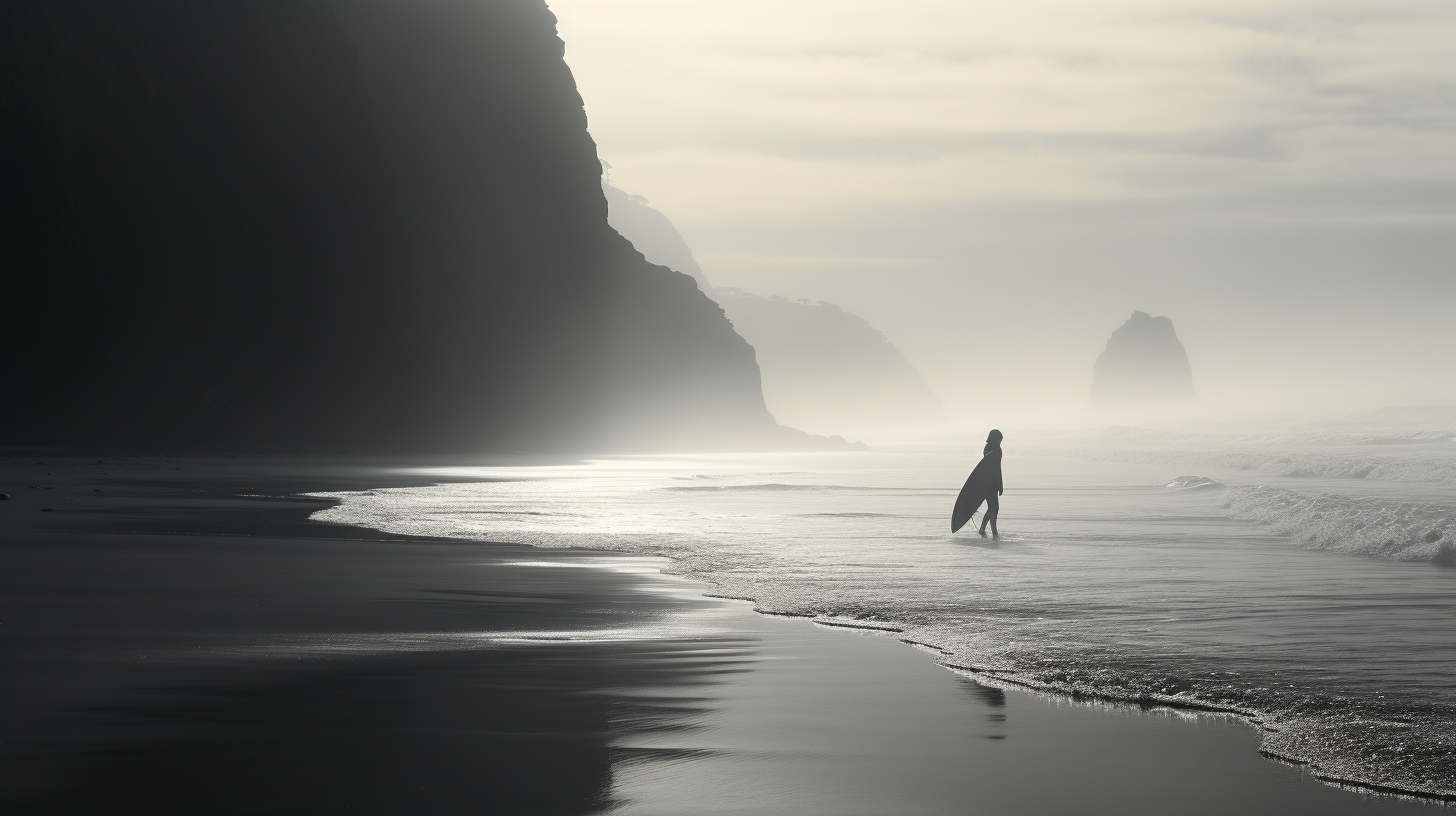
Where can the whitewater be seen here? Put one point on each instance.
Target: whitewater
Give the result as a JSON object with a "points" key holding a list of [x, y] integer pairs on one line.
{"points": [[1304, 583]]}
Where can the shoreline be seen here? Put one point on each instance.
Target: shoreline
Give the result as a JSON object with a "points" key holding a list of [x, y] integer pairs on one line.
{"points": [[1077, 696], [206, 502]]}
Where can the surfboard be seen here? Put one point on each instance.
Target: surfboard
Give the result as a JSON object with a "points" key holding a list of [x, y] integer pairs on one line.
{"points": [[980, 485]]}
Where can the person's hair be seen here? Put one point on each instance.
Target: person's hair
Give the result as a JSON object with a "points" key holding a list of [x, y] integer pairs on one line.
{"points": [[994, 435]]}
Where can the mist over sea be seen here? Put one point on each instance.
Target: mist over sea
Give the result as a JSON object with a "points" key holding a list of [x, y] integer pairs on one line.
{"points": [[1302, 579]]}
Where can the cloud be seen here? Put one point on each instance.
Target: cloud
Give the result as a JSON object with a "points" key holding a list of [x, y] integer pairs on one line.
{"points": [[910, 83], [818, 143]]}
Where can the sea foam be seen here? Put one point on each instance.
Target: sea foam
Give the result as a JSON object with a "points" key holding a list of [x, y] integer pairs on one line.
{"points": [[1329, 521]]}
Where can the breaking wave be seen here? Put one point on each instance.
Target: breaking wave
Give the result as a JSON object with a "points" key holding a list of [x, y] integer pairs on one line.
{"points": [[1192, 482], [1371, 526]]}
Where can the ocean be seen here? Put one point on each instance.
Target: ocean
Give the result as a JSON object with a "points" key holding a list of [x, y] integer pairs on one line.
{"points": [[1304, 580]]}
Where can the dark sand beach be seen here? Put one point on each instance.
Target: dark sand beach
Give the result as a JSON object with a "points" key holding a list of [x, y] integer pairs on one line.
{"points": [[180, 638]]}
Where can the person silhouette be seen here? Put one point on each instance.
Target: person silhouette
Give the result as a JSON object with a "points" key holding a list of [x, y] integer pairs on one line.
{"points": [[991, 460], [983, 485]]}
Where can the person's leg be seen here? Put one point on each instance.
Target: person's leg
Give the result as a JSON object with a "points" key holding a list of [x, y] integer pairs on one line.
{"points": [[993, 508]]}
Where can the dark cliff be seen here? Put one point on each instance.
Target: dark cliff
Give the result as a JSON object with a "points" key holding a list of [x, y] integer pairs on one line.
{"points": [[652, 233], [1144, 368], [822, 366], [367, 224]]}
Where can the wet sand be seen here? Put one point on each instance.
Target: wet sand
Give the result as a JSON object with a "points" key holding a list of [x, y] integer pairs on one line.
{"points": [[185, 640]]}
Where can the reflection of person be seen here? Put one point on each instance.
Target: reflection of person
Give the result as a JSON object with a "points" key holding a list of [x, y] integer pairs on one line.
{"points": [[992, 457]]}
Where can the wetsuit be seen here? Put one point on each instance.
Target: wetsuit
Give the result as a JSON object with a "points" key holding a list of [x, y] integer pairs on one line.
{"points": [[993, 501]]}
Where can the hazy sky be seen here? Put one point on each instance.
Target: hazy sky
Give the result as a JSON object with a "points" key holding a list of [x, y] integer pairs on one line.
{"points": [[998, 186]]}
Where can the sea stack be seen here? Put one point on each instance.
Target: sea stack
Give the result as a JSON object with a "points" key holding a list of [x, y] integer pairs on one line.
{"points": [[1144, 369]]}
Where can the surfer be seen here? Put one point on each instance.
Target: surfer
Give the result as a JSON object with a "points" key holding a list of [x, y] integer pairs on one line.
{"points": [[984, 485], [991, 457]]}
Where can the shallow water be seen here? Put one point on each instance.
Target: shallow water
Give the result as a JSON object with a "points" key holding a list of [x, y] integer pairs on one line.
{"points": [[1105, 581]]}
